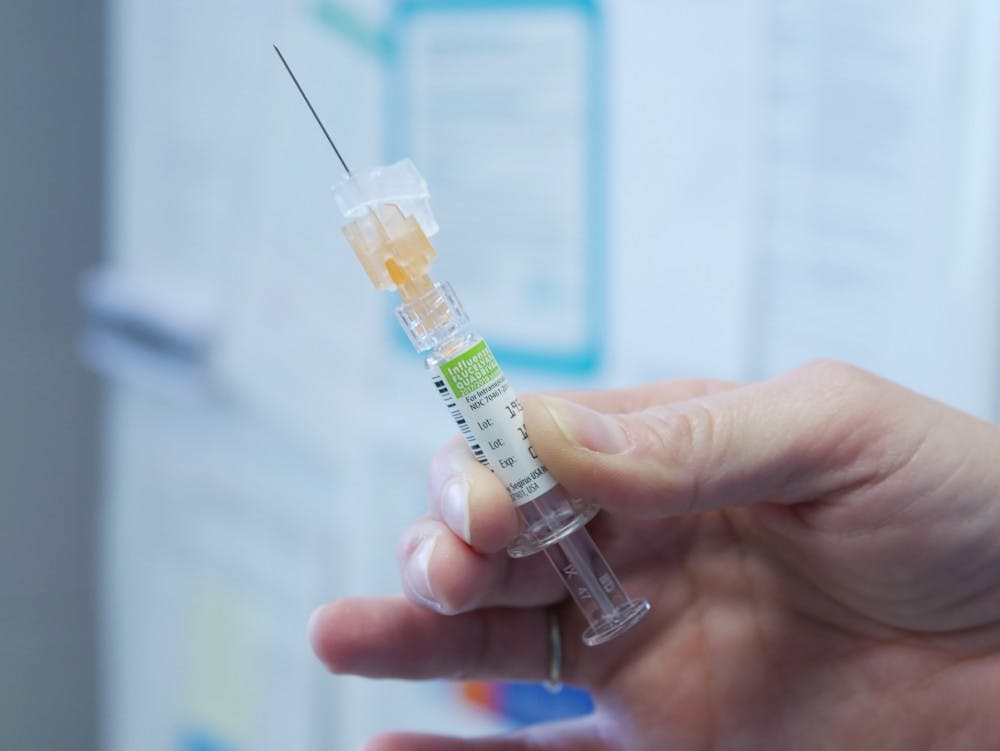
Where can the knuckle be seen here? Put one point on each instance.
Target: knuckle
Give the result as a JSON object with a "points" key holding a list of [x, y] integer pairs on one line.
{"points": [[407, 542], [842, 388], [685, 442], [835, 373], [688, 435]]}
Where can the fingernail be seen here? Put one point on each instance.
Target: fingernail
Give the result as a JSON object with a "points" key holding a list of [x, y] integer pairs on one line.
{"points": [[586, 428], [418, 572], [455, 507]]}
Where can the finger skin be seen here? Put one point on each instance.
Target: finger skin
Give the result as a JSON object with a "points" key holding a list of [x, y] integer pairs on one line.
{"points": [[388, 637], [636, 398], [459, 579], [790, 439], [492, 518]]}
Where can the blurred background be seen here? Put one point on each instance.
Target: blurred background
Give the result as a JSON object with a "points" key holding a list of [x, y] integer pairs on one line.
{"points": [[209, 422]]}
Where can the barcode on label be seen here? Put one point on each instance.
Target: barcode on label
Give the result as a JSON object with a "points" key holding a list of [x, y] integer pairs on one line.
{"points": [[463, 424]]}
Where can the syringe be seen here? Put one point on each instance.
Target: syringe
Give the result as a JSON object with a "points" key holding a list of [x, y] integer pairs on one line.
{"points": [[388, 222]]}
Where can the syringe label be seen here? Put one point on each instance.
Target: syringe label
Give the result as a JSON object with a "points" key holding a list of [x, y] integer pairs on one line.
{"points": [[488, 414]]}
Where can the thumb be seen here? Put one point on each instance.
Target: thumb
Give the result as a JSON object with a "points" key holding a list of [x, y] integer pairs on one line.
{"points": [[804, 435]]}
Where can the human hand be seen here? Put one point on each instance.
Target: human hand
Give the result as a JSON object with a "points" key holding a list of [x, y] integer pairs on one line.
{"points": [[821, 552]]}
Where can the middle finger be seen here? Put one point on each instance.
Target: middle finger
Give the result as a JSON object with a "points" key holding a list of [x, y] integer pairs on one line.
{"points": [[443, 573]]}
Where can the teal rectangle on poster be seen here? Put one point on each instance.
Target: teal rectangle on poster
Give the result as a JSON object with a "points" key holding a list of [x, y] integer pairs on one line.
{"points": [[584, 354]]}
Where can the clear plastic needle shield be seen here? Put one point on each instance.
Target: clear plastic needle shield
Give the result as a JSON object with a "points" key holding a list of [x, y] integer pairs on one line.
{"points": [[388, 223]]}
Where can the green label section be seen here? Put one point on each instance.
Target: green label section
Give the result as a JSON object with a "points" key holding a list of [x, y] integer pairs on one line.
{"points": [[471, 370]]}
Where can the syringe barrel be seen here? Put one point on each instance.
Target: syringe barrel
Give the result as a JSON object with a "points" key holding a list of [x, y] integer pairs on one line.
{"points": [[488, 413]]}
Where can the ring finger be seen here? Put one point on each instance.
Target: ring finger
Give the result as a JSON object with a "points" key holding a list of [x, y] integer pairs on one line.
{"points": [[383, 637]]}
